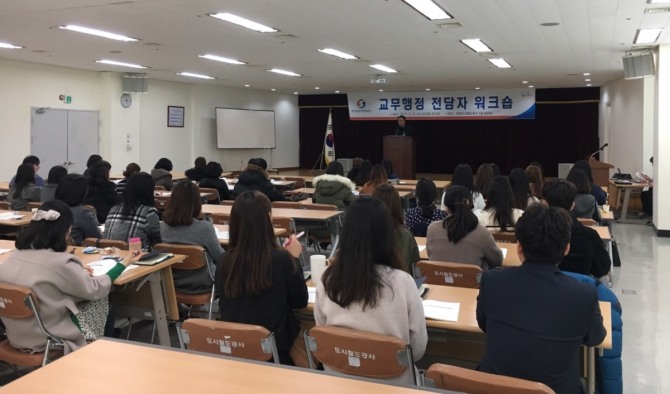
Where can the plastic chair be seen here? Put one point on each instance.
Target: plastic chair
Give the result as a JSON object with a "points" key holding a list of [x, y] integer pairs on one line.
{"points": [[245, 341], [5, 206], [215, 199], [449, 377], [587, 222], [220, 218], [359, 353], [19, 302], [196, 258], [161, 202], [450, 274], [504, 236], [105, 243], [34, 204]]}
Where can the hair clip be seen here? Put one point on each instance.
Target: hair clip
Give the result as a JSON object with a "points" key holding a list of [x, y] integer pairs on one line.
{"points": [[49, 215]]}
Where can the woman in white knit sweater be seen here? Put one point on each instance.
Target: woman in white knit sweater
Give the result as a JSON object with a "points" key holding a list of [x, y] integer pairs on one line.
{"points": [[379, 296]]}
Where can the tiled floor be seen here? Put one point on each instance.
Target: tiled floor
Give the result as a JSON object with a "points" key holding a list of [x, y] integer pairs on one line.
{"points": [[646, 309]]}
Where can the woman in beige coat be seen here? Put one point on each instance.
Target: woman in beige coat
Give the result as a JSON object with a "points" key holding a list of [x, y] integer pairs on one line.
{"points": [[59, 280]]}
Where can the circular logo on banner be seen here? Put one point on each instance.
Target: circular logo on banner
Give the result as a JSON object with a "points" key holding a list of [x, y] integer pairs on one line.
{"points": [[360, 103], [330, 140]]}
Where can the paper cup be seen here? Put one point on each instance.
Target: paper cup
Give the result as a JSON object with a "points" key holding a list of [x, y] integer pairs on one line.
{"points": [[317, 266]]}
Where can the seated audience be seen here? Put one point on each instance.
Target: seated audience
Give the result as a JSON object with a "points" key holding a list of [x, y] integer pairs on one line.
{"points": [[496, 169], [388, 167], [258, 281], [355, 168], [535, 180], [596, 190], [72, 190], [408, 251], [59, 280], [521, 189], [135, 216], [131, 168], [459, 238], [24, 189], [462, 176], [483, 180], [586, 206], [365, 287], [101, 193], [333, 188], [535, 318], [198, 171], [418, 218], [95, 158], [647, 196], [255, 178], [35, 162], [181, 225], [212, 179], [161, 173], [499, 212], [587, 253], [363, 173], [56, 173], [377, 177]]}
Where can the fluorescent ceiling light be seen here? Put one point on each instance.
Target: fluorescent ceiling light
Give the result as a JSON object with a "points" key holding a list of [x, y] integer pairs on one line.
{"points": [[477, 45], [657, 1], [429, 9], [238, 20], [187, 74], [647, 36], [285, 72], [382, 67], [122, 64], [500, 63], [221, 59], [6, 45], [335, 52], [99, 33], [587, 74]]}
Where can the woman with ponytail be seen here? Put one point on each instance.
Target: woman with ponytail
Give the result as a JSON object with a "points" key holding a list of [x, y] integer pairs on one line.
{"points": [[418, 218], [459, 238]]}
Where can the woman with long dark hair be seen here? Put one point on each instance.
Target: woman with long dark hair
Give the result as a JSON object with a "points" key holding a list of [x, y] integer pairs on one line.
{"points": [[72, 190], [363, 173], [136, 215], [462, 176], [56, 173], [535, 180], [101, 191], [258, 281], [521, 189], [377, 177], [483, 180], [418, 218], [24, 189], [459, 238], [596, 190], [365, 288], [499, 212]]}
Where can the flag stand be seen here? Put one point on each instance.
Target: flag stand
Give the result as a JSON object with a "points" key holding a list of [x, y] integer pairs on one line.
{"points": [[328, 147]]}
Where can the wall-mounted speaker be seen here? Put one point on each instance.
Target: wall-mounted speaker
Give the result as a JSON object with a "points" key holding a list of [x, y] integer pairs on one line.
{"points": [[638, 65], [135, 83]]}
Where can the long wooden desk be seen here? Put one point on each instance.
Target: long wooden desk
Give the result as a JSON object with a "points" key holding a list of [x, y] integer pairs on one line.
{"points": [[221, 229], [616, 189], [298, 214], [511, 258], [4, 186], [161, 287], [143, 369], [23, 221]]}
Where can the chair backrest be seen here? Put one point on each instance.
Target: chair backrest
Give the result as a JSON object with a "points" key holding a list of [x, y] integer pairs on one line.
{"points": [[214, 199], [321, 207], [34, 204], [161, 202], [449, 377], [227, 202], [450, 274], [4, 205], [587, 222], [287, 224], [504, 236], [196, 256], [359, 353], [299, 182], [220, 218], [287, 204], [228, 339], [15, 301], [105, 243]]}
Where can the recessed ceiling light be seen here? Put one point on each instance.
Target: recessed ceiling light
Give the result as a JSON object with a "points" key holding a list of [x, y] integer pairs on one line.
{"points": [[587, 80], [477, 45], [588, 84], [587, 74], [273, 89], [657, 1], [647, 36], [285, 72], [187, 74], [429, 9], [477, 88], [500, 63], [381, 90], [295, 92], [6, 45], [335, 52], [427, 89], [96, 32], [524, 81], [337, 91], [221, 59], [122, 64], [382, 67], [238, 20], [531, 86], [246, 85], [316, 88]]}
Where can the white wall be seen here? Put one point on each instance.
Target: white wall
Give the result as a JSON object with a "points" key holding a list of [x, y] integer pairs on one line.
{"points": [[662, 140], [139, 133]]}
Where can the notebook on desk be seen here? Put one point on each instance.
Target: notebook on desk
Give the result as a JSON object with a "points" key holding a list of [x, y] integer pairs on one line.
{"points": [[153, 259]]}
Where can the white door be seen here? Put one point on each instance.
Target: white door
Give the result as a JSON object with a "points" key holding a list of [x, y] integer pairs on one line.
{"points": [[64, 137]]}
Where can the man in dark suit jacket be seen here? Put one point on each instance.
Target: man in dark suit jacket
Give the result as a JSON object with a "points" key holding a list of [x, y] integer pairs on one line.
{"points": [[535, 317], [587, 255]]}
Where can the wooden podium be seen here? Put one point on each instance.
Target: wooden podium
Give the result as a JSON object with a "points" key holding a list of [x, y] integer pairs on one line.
{"points": [[600, 171], [400, 150]]}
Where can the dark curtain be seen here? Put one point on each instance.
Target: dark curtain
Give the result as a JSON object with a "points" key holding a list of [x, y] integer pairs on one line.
{"points": [[565, 129]]}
